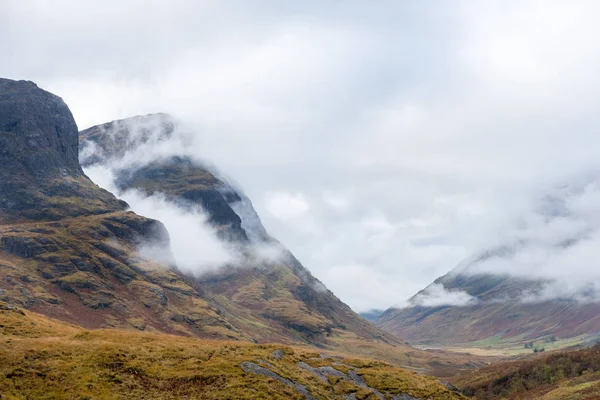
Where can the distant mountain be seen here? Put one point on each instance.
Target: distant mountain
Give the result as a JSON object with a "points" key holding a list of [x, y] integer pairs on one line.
{"points": [[372, 315], [493, 307], [538, 282]]}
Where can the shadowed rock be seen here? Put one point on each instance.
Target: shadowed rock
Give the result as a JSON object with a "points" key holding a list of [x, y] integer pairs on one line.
{"points": [[41, 178], [254, 368]]}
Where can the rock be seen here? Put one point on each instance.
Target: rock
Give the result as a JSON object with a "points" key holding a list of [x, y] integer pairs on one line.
{"points": [[277, 354], [322, 372], [254, 368], [39, 147]]}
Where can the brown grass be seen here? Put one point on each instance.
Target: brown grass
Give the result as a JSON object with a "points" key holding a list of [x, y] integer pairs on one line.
{"points": [[559, 375], [45, 359]]}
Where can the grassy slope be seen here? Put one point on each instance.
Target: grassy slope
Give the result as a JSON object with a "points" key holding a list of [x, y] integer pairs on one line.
{"points": [[43, 358], [559, 375], [86, 270]]}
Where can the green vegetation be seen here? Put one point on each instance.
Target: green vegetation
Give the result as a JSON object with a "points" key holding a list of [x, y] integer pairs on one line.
{"points": [[497, 346]]}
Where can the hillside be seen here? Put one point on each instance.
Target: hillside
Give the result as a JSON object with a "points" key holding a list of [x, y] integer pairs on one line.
{"points": [[560, 375], [496, 317], [43, 358]]}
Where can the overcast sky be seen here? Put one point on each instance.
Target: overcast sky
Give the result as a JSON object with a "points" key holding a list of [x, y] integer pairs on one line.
{"points": [[381, 141]]}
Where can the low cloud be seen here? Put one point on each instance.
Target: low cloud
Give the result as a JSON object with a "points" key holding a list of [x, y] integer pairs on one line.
{"points": [[194, 243], [436, 295], [554, 242]]}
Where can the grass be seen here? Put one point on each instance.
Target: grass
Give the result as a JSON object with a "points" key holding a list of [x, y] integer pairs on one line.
{"points": [[41, 358], [497, 346]]}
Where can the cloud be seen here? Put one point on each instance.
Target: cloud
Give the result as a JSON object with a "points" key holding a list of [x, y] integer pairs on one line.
{"points": [[287, 206], [194, 243], [440, 126], [436, 295]]}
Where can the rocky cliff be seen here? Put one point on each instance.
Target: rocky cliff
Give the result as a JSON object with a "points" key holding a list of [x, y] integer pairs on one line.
{"points": [[41, 175]]}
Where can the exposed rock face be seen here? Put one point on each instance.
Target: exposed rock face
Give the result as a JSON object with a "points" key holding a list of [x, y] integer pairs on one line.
{"points": [[39, 135], [39, 158]]}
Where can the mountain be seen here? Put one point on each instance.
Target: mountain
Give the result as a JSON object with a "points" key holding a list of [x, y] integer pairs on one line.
{"points": [[372, 315], [536, 284], [75, 253], [494, 312], [269, 299], [68, 248]]}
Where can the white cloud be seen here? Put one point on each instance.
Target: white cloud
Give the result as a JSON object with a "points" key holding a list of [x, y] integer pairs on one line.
{"points": [[436, 295], [194, 243]]}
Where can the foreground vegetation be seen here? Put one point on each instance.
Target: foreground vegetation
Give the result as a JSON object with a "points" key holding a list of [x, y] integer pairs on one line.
{"points": [[560, 375], [41, 358]]}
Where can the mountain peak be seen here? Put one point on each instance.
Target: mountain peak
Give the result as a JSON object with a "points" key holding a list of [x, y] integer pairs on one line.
{"points": [[38, 132], [41, 178]]}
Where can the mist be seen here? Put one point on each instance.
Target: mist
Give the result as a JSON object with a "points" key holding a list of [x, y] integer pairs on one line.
{"points": [[194, 243]]}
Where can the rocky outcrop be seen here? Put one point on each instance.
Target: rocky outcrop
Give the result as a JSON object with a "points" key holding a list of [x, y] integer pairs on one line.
{"points": [[41, 178], [39, 134], [254, 368]]}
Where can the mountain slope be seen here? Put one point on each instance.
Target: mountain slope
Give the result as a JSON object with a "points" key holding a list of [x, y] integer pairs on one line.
{"points": [[67, 247], [44, 358], [497, 313], [71, 250], [560, 375], [537, 282]]}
